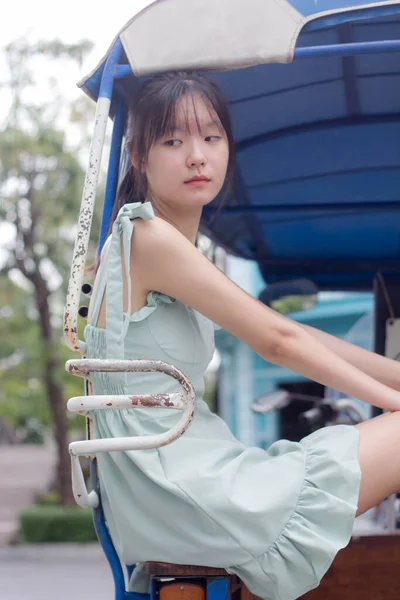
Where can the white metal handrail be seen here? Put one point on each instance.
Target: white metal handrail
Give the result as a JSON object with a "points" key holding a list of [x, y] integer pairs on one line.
{"points": [[185, 401]]}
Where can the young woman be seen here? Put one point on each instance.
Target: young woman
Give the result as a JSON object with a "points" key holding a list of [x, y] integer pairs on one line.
{"points": [[274, 518]]}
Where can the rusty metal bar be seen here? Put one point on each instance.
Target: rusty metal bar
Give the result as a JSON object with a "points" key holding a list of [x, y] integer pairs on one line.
{"points": [[185, 401], [81, 405]]}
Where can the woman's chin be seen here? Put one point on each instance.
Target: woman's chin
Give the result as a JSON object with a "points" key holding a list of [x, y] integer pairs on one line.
{"points": [[195, 198], [200, 196]]}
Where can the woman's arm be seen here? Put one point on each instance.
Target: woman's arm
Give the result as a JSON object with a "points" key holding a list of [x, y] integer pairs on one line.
{"points": [[379, 367], [168, 263]]}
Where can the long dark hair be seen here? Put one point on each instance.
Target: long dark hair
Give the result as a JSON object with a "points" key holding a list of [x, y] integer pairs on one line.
{"points": [[152, 115]]}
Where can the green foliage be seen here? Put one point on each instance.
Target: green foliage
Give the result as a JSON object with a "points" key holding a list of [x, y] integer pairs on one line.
{"points": [[22, 395], [51, 180], [41, 183], [291, 304], [21, 390], [56, 524]]}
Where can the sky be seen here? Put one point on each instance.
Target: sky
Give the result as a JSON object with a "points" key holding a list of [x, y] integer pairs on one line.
{"points": [[70, 21]]}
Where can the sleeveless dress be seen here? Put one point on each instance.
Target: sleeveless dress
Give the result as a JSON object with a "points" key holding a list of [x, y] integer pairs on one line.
{"points": [[275, 518]]}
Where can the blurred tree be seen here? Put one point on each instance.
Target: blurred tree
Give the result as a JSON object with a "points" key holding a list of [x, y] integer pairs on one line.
{"points": [[40, 190], [21, 363]]}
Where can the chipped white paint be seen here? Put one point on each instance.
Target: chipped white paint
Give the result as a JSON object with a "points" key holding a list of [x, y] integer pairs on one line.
{"points": [[84, 225], [185, 401], [82, 404]]}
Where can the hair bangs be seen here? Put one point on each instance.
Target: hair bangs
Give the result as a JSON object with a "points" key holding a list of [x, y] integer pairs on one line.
{"points": [[161, 119]]}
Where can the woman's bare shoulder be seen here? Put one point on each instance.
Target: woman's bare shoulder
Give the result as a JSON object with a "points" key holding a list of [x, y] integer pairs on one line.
{"points": [[157, 227], [169, 263]]}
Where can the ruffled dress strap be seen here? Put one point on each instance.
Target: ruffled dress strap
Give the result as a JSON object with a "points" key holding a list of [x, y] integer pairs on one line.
{"points": [[117, 322]]}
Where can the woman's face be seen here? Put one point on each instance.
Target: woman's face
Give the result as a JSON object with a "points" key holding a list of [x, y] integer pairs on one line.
{"points": [[187, 168]]}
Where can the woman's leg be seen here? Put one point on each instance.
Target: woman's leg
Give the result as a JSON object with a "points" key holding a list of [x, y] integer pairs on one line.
{"points": [[379, 455]]}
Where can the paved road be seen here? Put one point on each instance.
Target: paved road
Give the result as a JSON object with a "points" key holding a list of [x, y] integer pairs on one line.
{"points": [[46, 572]]}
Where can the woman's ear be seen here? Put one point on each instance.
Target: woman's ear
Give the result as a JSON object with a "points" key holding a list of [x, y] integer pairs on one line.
{"points": [[135, 163]]}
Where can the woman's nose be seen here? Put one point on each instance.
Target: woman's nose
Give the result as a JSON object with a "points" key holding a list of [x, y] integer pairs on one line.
{"points": [[196, 156]]}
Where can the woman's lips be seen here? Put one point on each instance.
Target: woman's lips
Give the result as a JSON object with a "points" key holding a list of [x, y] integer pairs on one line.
{"points": [[197, 182]]}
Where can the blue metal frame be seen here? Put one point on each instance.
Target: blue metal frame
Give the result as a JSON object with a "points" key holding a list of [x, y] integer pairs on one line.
{"points": [[107, 78], [350, 49], [113, 170], [106, 91], [108, 547]]}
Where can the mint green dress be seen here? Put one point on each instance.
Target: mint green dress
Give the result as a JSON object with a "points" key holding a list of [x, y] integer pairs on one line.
{"points": [[275, 518]]}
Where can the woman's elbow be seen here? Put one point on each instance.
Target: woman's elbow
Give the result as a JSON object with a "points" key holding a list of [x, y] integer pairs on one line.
{"points": [[283, 344]]}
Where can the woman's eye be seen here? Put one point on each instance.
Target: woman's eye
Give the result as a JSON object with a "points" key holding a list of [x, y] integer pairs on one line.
{"points": [[172, 142], [212, 138]]}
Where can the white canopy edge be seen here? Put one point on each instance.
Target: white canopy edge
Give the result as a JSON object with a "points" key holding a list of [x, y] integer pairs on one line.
{"points": [[209, 33], [170, 35]]}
